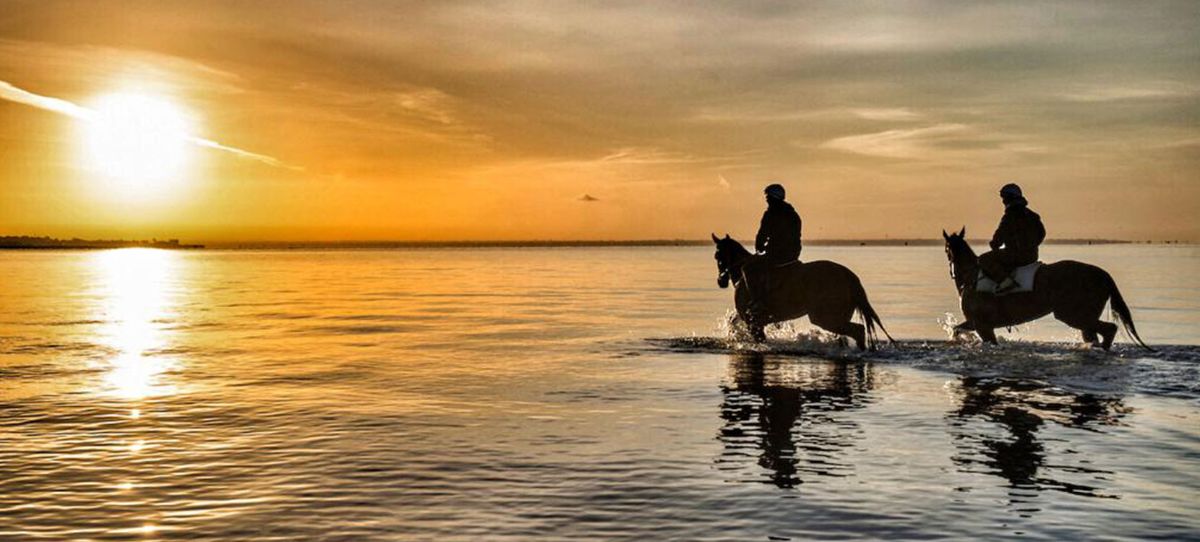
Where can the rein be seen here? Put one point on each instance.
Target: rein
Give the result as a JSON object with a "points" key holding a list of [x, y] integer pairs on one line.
{"points": [[733, 269]]}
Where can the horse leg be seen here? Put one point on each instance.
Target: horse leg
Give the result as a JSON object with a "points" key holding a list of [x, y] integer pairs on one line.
{"points": [[757, 333], [1090, 325], [987, 335], [963, 329], [858, 333], [845, 328], [1108, 330]]}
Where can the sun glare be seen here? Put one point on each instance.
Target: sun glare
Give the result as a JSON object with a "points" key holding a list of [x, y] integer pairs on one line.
{"points": [[137, 141], [136, 288]]}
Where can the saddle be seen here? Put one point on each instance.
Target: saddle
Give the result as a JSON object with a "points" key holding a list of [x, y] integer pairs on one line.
{"points": [[1023, 276], [768, 275]]}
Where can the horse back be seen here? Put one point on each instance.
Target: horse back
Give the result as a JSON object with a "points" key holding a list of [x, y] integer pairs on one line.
{"points": [[1070, 279], [822, 270], [1063, 285], [820, 280]]}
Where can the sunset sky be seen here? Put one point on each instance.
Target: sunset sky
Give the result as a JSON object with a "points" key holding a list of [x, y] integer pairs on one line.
{"points": [[442, 120]]}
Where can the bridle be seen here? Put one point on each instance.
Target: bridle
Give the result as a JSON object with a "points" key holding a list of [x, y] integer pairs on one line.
{"points": [[961, 286], [724, 274]]}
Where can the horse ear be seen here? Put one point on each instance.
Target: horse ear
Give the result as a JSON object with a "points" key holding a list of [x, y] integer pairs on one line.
{"points": [[715, 239], [727, 236], [963, 232], [945, 235]]}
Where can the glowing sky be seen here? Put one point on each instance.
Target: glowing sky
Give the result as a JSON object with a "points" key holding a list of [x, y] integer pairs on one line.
{"points": [[557, 120]]}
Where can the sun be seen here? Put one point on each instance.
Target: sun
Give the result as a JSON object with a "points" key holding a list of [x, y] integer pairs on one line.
{"points": [[137, 141]]}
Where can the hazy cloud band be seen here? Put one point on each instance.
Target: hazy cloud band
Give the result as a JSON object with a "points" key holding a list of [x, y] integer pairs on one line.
{"points": [[12, 93]]}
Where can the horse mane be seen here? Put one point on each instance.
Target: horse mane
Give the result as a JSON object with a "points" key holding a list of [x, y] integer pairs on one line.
{"points": [[963, 245], [735, 246]]}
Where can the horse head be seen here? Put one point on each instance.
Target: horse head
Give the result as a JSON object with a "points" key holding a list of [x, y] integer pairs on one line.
{"points": [[730, 255], [959, 253]]}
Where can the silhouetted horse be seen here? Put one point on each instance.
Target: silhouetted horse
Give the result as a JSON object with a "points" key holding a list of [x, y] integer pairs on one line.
{"points": [[786, 411], [827, 292], [1075, 292], [1022, 408]]}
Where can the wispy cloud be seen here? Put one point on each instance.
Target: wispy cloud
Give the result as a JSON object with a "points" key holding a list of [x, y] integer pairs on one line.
{"points": [[655, 156], [269, 160], [12, 93], [1148, 91], [429, 103], [908, 143], [887, 114]]}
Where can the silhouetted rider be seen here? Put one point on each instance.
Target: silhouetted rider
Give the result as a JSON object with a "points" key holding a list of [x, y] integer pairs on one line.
{"points": [[777, 243], [778, 237], [1016, 240]]}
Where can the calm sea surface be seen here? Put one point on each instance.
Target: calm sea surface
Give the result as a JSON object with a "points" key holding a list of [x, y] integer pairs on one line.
{"points": [[569, 393]]}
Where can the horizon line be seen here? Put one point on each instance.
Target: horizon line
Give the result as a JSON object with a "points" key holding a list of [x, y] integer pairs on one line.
{"points": [[15, 241]]}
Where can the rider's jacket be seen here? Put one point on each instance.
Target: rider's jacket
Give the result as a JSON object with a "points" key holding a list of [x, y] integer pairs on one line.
{"points": [[779, 233], [1020, 232]]}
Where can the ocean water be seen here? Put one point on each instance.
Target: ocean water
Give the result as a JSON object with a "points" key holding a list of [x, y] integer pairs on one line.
{"points": [[573, 393]]}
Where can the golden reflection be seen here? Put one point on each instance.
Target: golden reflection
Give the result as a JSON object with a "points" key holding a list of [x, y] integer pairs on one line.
{"points": [[137, 300]]}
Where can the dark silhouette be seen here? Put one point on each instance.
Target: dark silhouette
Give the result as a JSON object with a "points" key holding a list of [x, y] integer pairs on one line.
{"points": [[26, 242], [1016, 240], [777, 243], [764, 401], [778, 238], [1023, 408], [827, 292], [1075, 292]]}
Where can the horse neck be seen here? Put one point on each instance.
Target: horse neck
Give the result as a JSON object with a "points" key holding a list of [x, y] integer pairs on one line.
{"points": [[739, 256], [966, 265]]}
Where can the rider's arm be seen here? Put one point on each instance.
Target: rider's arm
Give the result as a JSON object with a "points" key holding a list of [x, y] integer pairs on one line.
{"points": [[1001, 234], [764, 233]]}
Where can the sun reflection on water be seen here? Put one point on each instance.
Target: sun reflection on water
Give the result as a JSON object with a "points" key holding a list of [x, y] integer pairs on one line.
{"points": [[137, 300]]}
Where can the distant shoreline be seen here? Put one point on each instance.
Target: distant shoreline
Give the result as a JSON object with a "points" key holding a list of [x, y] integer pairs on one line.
{"points": [[49, 243], [46, 243]]}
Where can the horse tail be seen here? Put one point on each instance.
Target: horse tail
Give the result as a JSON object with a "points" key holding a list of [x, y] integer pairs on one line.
{"points": [[1122, 312], [869, 316]]}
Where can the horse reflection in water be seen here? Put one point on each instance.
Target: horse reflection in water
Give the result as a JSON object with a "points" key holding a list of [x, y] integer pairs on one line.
{"points": [[1022, 409], [786, 412]]}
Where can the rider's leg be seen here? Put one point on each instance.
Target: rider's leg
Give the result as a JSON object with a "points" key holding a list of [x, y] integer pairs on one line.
{"points": [[992, 265], [997, 265], [755, 274]]}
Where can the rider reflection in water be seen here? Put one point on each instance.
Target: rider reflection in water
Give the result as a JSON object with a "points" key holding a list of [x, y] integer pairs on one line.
{"points": [[1022, 409], [1016, 240], [778, 243]]}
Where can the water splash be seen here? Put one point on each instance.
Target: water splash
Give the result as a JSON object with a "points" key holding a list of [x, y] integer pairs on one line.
{"points": [[948, 323]]}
